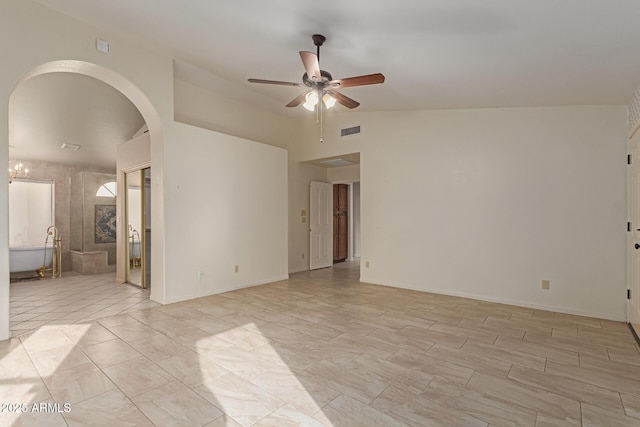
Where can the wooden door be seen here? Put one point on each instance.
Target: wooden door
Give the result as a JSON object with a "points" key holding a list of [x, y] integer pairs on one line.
{"points": [[340, 222], [320, 206]]}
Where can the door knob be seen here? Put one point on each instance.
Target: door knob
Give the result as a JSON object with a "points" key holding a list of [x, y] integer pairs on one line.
{"points": [[637, 246]]}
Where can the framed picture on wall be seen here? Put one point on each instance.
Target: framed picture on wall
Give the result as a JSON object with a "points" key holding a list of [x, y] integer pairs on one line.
{"points": [[105, 216]]}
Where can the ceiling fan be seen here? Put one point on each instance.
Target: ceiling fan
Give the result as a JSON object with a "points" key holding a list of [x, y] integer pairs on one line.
{"points": [[321, 83]]}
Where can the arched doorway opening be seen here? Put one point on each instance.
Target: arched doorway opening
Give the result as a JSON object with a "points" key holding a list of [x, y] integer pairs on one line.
{"points": [[152, 120]]}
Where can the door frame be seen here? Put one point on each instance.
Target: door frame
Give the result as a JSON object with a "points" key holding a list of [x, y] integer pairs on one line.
{"points": [[125, 224], [351, 248], [349, 219], [320, 216], [352, 244], [633, 235]]}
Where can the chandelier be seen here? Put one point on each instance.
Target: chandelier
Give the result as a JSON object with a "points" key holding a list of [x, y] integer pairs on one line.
{"points": [[18, 171]]}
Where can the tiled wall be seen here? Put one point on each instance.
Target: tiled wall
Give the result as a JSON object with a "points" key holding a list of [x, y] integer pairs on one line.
{"points": [[91, 262], [92, 181], [61, 175]]}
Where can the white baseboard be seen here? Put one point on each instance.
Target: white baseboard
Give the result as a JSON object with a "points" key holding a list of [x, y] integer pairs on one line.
{"points": [[557, 309], [229, 288]]}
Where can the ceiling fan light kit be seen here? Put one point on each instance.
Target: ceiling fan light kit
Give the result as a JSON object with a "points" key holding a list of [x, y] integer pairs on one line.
{"points": [[328, 100], [321, 83], [311, 101]]}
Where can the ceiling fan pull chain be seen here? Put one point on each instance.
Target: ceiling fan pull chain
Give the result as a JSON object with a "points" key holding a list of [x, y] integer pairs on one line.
{"points": [[321, 84], [320, 108]]}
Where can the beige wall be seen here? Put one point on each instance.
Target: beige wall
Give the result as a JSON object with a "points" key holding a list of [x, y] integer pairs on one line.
{"points": [[488, 203], [228, 208], [207, 109], [481, 203], [204, 108], [333, 144], [300, 177], [344, 174], [36, 40]]}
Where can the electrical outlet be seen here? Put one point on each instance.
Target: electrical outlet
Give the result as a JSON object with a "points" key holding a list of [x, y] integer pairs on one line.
{"points": [[545, 284], [302, 255], [304, 219], [236, 269], [303, 213], [366, 264], [200, 275]]}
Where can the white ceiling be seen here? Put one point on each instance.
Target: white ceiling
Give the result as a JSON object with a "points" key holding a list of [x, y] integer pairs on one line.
{"points": [[53, 109], [435, 54]]}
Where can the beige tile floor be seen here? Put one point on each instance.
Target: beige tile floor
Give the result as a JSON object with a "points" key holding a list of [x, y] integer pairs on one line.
{"points": [[322, 349], [74, 298]]}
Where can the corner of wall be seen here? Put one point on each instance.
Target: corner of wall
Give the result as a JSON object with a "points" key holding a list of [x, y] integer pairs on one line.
{"points": [[634, 113]]}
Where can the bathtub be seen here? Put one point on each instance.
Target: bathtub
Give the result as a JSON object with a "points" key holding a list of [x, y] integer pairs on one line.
{"points": [[28, 259]]}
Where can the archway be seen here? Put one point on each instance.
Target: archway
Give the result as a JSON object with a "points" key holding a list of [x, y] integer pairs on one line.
{"points": [[152, 119]]}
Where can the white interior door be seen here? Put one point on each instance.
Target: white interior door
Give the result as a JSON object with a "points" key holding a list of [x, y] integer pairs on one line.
{"points": [[321, 225], [633, 240]]}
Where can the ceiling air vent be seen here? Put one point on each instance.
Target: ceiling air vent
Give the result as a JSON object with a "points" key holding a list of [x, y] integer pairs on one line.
{"points": [[350, 131], [72, 147]]}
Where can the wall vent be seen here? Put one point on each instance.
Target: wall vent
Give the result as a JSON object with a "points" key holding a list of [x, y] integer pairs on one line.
{"points": [[72, 147], [350, 131]]}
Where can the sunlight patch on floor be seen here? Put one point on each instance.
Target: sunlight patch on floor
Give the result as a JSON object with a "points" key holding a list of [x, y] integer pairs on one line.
{"points": [[256, 374], [32, 372]]}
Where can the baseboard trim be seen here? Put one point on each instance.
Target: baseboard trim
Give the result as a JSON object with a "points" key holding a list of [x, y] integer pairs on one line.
{"points": [[228, 289], [633, 331], [555, 309]]}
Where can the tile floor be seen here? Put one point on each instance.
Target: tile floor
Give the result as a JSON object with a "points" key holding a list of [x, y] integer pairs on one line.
{"points": [[74, 298], [322, 349]]}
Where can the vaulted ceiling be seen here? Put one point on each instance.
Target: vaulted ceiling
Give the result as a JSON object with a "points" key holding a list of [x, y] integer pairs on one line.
{"points": [[65, 108], [435, 54]]}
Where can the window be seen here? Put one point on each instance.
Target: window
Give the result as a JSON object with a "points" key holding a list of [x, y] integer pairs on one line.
{"points": [[30, 212], [107, 190]]}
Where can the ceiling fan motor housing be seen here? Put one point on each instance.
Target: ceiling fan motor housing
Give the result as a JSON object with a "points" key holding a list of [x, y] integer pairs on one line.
{"points": [[326, 78], [321, 82]]}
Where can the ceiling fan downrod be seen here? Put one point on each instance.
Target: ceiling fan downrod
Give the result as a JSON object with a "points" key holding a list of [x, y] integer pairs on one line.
{"points": [[318, 40], [321, 83]]}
